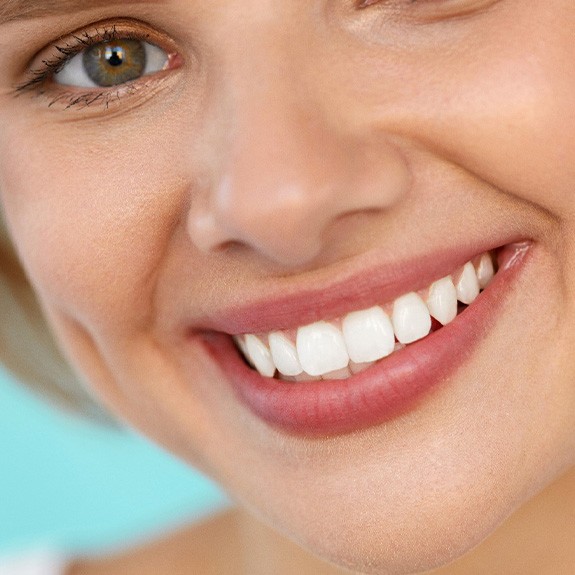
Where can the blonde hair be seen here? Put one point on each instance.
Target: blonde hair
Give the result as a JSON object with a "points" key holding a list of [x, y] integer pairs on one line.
{"points": [[27, 348]]}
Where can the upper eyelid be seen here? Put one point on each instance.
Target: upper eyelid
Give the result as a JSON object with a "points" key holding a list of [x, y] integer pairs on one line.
{"points": [[74, 42]]}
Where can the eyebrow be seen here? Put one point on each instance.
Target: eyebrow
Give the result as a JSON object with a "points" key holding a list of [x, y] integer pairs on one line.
{"points": [[12, 10]]}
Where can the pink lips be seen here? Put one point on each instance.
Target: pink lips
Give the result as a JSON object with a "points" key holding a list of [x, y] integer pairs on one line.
{"points": [[380, 393]]}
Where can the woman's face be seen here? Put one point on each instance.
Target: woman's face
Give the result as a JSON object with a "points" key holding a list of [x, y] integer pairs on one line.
{"points": [[277, 164]]}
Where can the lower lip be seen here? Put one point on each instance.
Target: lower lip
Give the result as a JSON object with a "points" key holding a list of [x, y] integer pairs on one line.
{"points": [[386, 390]]}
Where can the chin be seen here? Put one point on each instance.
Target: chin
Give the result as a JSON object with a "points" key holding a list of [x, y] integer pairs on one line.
{"points": [[415, 544]]}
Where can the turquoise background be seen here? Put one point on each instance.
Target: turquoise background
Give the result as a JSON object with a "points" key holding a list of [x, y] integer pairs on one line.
{"points": [[78, 487]]}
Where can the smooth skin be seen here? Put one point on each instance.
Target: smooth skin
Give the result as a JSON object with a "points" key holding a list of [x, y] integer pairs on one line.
{"points": [[293, 143]]}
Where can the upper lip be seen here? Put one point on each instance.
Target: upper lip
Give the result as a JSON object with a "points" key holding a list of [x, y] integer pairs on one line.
{"points": [[291, 306]]}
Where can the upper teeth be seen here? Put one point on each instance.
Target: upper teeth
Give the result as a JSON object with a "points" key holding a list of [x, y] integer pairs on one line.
{"points": [[343, 346]]}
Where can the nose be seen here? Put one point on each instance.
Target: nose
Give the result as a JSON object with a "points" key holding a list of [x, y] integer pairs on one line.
{"points": [[290, 168]]}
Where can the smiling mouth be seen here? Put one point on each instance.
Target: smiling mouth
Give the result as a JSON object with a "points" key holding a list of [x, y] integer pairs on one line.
{"points": [[344, 346], [363, 367]]}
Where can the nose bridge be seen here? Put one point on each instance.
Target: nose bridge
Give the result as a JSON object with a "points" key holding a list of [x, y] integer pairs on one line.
{"points": [[278, 155], [274, 123], [284, 167]]}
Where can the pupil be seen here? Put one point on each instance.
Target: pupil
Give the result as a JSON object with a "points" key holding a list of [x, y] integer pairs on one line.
{"points": [[115, 56]]}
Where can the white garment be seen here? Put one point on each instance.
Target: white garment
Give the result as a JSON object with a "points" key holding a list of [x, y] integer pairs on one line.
{"points": [[36, 563]]}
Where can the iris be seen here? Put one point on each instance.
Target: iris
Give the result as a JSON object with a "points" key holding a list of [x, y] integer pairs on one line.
{"points": [[113, 63]]}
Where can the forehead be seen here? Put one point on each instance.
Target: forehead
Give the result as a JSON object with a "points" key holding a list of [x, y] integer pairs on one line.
{"points": [[11, 10]]}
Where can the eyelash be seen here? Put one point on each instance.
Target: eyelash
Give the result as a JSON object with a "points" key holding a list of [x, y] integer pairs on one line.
{"points": [[65, 51]]}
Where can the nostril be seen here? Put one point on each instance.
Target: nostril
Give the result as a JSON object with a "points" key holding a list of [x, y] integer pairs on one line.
{"points": [[230, 247]]}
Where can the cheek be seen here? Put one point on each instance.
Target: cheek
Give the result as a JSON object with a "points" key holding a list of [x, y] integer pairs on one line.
{"points": [[512, 119], [91, 227]]}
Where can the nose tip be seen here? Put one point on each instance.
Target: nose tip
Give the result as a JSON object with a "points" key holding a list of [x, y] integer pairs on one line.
{"points": [[276, 225], [286, 213]]}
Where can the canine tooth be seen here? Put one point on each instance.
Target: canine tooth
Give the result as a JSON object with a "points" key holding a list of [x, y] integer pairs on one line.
{"points": [[239, 340], [442, 301], [368, 335], [485, 271], [284, 354], [321, 348], [260, 356], [468, 286], [410, 317]]}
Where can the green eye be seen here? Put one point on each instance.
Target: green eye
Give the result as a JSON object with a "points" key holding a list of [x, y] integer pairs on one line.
{"points": [[112, 63]]}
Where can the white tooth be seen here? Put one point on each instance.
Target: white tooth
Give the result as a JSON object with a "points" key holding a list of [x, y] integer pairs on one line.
{"points": [[485, 271], [284, 354], [468, 286], [242, 345], [321, 348], [368, 335], [260, 356], [410, 317], [442, 301]]}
